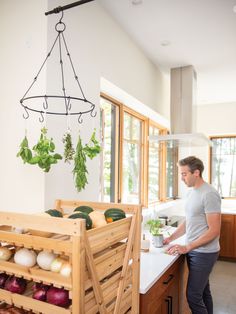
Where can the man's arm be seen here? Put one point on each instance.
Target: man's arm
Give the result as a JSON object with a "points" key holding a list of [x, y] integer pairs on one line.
{"points": [[213, 231]]}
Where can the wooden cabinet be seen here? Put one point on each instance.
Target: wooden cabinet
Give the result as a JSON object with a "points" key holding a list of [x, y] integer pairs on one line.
{"points": [[164, 296], [228, 236]]}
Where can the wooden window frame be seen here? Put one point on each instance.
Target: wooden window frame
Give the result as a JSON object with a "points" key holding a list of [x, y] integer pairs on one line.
{"points": [[210, 158], [146, 122]]}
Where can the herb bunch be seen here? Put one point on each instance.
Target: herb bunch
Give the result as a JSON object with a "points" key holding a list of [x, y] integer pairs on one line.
{"points": [[69, 151], [82, 152], [43, 155]]}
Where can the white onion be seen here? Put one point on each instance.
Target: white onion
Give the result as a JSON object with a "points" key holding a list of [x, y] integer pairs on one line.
{"points": [[65, 270], [25, 257], [5, 253], [57, 264], [45, 259]]}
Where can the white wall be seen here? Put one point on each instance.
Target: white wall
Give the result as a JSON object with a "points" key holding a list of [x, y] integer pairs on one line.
{"points": [[23, 30], [99, 48], [217, 119]]}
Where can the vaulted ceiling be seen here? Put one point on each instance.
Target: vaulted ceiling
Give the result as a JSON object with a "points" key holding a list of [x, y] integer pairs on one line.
{"points": [[174, 33]]}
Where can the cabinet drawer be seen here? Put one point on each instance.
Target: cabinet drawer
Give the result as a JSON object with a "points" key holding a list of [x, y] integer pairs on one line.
{"points": [[151, 300]]}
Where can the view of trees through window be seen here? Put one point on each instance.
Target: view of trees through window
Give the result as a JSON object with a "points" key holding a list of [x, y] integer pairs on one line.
{"points": [[133, 169], [153, 167], [171, 170], [110, 139], [132, 136], [223, 165]]}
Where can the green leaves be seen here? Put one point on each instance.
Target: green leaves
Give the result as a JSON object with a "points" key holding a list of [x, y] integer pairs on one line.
{"points": [[25, 152], [92, 148], [68, 147], [44, 155], [80, 170]]}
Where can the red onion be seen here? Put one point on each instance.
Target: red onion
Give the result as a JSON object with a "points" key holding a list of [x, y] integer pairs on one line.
{"points": [[40, 291], [15, 285], [3, 278], [58, 296]]}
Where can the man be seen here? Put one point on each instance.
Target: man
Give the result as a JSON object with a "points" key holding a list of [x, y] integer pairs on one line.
{"points": [[202, 228]]}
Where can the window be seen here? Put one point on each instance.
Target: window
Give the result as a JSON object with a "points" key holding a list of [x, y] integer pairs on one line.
{"points": [[110, 140], [133, 169], [171, 171], [153, 167], [132, 159], [223, 165]]}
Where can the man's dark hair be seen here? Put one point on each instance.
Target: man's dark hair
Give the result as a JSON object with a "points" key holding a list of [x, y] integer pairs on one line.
{"points": [[193, 163]]}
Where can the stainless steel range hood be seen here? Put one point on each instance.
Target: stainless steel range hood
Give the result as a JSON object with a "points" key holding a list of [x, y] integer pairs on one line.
{"points": [[183, 139], [183, 110]]}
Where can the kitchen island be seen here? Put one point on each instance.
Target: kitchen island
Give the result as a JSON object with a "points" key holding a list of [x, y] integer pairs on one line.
{"points": [[162, 281]]}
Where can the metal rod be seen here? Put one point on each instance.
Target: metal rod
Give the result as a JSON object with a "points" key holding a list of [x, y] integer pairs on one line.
{"points": [[68, 6]]}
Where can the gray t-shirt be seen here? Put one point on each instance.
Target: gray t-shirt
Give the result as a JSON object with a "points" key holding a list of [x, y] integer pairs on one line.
{"points": [[201, 201]]}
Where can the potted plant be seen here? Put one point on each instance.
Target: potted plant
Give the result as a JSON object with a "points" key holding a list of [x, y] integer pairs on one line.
{"points": [[155, 226]]}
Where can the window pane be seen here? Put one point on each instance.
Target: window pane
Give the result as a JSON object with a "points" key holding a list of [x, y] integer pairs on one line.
{"points": [[153, 171], [171, 172], [131, 159], [224, 166], [109, 141]]}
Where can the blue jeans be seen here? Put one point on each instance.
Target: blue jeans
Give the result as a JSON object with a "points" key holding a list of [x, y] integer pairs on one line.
{"points": [[198, 289]]}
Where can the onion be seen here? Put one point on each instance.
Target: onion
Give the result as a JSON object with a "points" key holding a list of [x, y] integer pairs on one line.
{"points": [[45, 259], [40, 291], [57, 264], [5, 253], [15, 285], [25, 257], [3, 278], [65, 269], [58, 296]]}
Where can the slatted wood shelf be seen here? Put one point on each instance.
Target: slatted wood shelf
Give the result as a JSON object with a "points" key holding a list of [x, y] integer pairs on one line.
{"points": [[105, 260]]}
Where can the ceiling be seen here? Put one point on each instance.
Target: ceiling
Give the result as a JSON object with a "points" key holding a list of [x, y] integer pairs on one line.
{"points": [[174, 33]]}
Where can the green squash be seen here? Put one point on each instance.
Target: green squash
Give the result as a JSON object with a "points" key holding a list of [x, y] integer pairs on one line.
{"points": [[85, 216], [84, 209], [114, 214], [54, 213]]}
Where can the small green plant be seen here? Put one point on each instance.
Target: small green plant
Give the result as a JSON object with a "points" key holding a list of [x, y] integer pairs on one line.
{"points": [[154, 226], [41, 154]]}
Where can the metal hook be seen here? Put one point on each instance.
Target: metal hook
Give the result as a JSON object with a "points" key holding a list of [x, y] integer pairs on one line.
{"points": [[60, 26], [79, 118], [62, 14], [27, 114], [68, 105], [41, 118], [45, 105], [93, 113]]}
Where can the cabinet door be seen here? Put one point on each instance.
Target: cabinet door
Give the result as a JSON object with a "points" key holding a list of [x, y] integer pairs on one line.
{"points": [[227, 237], [173, 296]]}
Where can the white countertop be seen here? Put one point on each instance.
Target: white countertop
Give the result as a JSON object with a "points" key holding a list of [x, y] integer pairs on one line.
{"points": [[231, 211], [155, 263]]}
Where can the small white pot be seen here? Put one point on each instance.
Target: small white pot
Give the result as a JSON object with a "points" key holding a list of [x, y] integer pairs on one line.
{"points": [[157, 240]]}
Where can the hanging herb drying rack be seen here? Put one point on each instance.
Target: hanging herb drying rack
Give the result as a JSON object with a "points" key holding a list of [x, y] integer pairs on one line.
{"points": [[69, 108]]}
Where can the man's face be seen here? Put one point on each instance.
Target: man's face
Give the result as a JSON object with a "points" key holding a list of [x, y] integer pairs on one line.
{"points": [[188, 177]]}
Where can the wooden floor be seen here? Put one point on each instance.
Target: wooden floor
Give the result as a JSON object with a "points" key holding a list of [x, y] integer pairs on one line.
{"points": [[223, 287]]}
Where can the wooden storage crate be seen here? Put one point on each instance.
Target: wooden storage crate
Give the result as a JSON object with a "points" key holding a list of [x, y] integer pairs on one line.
{"points": [[105, 260]]}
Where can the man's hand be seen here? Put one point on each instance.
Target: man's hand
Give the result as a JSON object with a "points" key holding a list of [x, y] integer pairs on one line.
{"points": [[177, 249], [166, 241]]}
